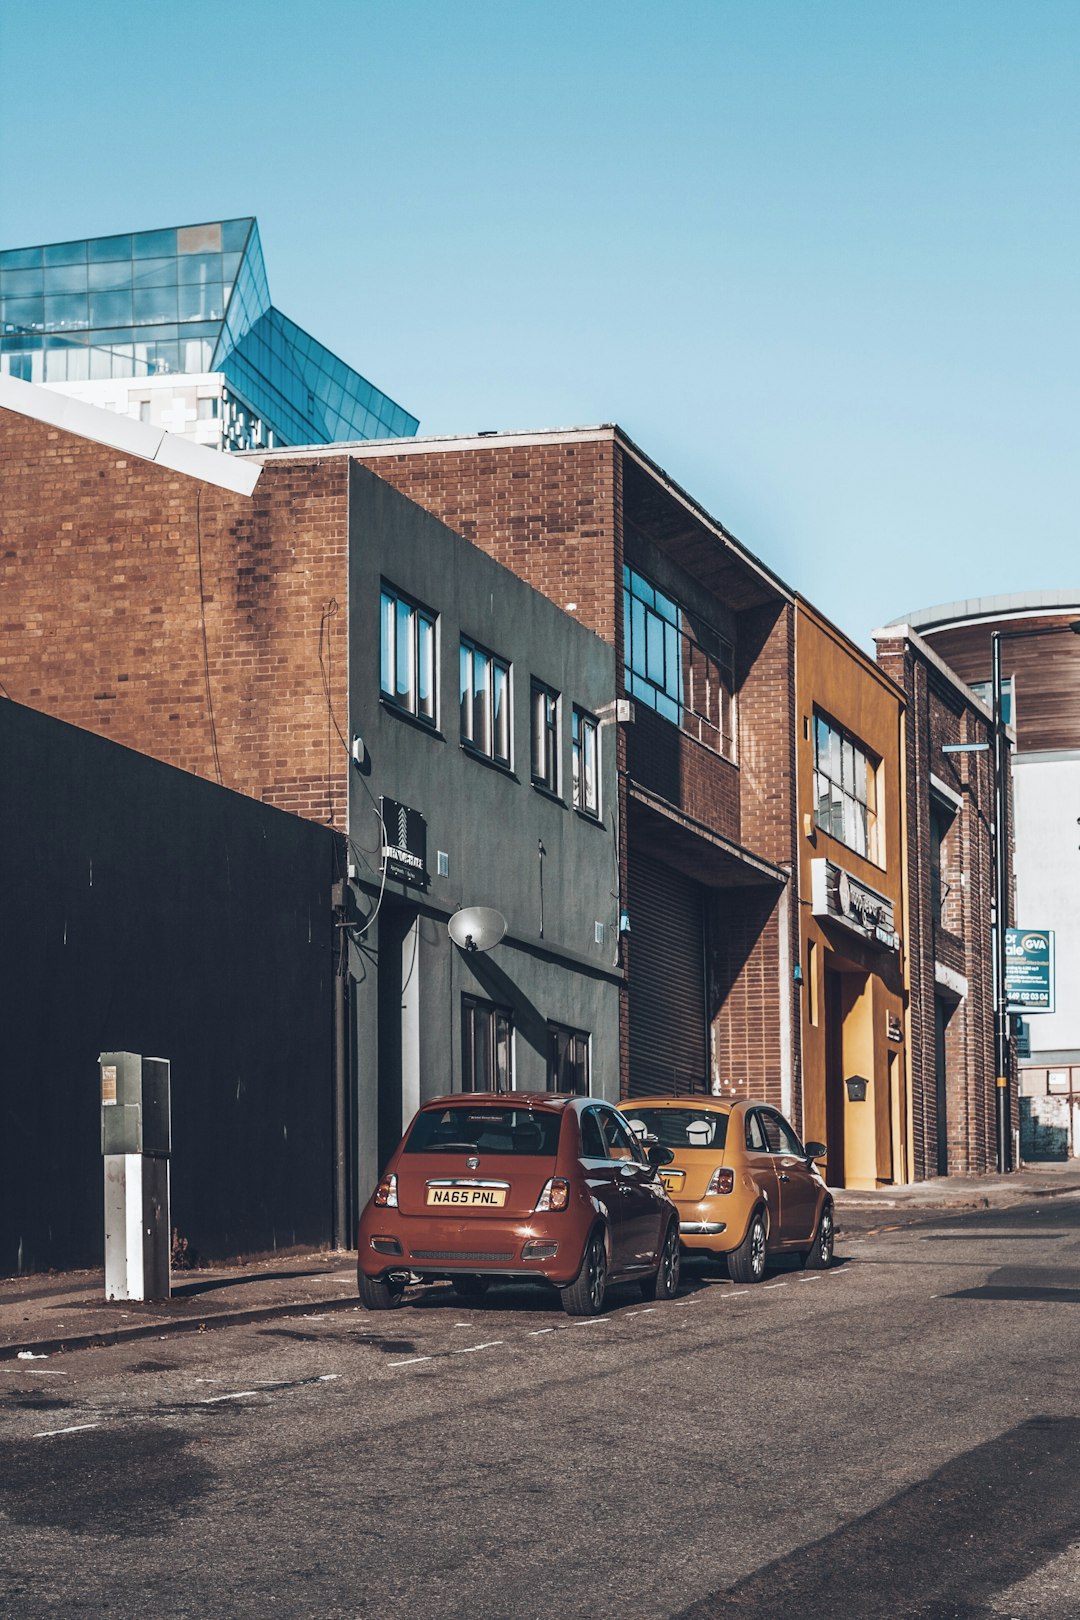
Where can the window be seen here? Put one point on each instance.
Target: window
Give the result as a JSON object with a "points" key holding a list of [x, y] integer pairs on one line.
{"points": [[485, 703], [984, 691], [592, 1143], [585, 757], [684, 671], [845, 789], [568, 1060], [545, 737], [408, 655], [682, 1127], [619, 1139], [779, 1135], [755, 1136], [485, 1128], [487, 1046]]}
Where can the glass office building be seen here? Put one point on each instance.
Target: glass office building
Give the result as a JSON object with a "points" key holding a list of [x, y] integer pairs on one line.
{"points": [[176, 327]]}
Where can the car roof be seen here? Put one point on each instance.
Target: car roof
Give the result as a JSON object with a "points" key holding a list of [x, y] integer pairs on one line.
{"points": [[721, 1105], [553, 1101]]}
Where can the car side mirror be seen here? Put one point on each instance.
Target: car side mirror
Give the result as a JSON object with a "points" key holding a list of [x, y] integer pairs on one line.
{"points": [[658, 1155], [815, 1150]]}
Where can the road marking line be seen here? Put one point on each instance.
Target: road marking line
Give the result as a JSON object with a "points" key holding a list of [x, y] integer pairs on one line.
{"points": [[737, 1295], [688, 1302], [591, 1321], [45, 1372], [491, 1344], [237, 1395], [46, 1434], [648, 1311], [774, 1285], [535, 1332], [410, 1363], [328, 1378]]}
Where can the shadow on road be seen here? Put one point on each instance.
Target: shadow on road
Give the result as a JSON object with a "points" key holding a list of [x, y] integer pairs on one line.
{"points": [[944, 1547]]}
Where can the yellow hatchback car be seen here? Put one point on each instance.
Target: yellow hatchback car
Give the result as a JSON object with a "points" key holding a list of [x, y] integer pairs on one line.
{"points": [[744, 1185]]}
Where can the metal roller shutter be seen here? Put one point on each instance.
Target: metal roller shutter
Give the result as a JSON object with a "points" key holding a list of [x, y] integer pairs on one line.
{"points": [[668, 1035]]}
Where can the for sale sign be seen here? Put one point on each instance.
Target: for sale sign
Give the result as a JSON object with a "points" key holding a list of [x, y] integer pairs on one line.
{"points": [[1029, 970]]}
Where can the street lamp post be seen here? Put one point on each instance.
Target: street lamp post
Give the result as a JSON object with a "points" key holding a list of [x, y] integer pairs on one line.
{"points": [[1003, 1089]]}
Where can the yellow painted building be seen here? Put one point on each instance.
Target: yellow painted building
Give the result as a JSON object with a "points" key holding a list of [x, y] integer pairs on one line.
{"points": [[849, 783]]}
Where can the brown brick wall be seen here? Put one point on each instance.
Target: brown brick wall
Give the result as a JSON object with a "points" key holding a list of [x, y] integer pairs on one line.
{"points": [[744, 991], [960, 937], [178, 618], [550, 513]]}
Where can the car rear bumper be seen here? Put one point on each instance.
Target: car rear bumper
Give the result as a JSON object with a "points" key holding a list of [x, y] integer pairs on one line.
{"points": [[490, 1248], [704, 1225]]}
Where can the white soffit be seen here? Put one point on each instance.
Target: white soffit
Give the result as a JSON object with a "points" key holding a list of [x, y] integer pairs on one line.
{"points": [[134, 438]]}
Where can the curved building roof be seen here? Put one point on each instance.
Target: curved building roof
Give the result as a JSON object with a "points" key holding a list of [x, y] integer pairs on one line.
{"points": [[1013, 605]]}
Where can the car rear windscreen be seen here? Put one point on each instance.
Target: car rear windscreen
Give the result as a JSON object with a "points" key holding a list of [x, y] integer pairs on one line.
{"points": [[462, 1129], [682, 1127]]}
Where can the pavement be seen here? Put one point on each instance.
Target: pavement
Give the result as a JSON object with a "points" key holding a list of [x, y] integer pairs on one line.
{"points": [[45, 1313]]}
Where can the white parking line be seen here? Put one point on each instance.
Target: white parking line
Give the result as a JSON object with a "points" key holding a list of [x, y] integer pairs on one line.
{"points": [[737, 1295], [47, 1434], [491, 1344], [410, 1363], [773, 1285], [328, 1378], [535, 1332], [648, 1311], [591, 1321], [237, 1395]]}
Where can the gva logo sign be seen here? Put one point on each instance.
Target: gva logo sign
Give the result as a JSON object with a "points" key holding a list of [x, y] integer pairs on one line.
{"points": [[1029, 945]]}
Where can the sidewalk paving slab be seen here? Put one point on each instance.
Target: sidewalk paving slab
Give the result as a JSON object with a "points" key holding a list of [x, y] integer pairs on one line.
{"points": [[43, 1313]]}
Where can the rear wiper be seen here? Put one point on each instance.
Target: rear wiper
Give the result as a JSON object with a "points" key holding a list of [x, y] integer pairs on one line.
{"points": [[453, 1147]]}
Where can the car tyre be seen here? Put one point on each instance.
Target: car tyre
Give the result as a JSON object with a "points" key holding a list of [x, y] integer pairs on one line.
{"points": [[382, 1293], [585, 1295], [746, 1264], [819, 1256], [665, 1279], [470, 1286]]}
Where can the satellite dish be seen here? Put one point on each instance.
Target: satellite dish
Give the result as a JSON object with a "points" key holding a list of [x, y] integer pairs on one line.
{"points": [[476, 928]]}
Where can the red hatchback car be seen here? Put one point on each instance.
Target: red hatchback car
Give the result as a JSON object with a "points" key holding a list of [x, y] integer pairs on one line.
{"points": [[489, 1185]]}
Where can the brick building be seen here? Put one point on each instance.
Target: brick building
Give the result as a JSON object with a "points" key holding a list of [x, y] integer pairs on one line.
{"points": [[706, 811], [949, 890]]}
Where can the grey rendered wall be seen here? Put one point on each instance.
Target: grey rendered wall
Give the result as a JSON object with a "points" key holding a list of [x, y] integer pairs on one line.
{"points": [[489, 823]]}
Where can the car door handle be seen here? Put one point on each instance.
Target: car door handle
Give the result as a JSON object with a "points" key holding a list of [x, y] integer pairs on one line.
{"points": [[783, 1176]]}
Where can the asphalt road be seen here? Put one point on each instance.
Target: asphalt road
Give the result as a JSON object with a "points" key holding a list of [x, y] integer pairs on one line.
{"points": [[897, 1437]]}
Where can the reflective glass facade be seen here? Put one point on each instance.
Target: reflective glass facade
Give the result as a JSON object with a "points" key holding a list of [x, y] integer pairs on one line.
{"points": [[191, 299]]}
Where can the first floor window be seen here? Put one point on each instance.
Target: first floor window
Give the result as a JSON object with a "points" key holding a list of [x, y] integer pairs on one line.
{"points": [[677, 664], [545, 737], [407, 654], [568, 1060], [485, 702], [585, 755], [487, 1046], [845, 789]]}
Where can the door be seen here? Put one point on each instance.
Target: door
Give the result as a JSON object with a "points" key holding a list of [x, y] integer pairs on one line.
{"points": [[941, 1087], [762, 1168], [669, 1046], [834, 1078], [641, 1206], [798, 1191], [601, 1178]]}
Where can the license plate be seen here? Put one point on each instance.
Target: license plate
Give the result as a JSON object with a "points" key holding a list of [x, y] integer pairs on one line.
{"points": [[487, 1197], [673, 1180]]}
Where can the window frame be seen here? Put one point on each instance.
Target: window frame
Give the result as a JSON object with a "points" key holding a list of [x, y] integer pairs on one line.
{"points": [[418, 616], [662, 654], [545, 729], [495, 666], [500, 1021], [844, 804], [560, 1059], [581, 718]]}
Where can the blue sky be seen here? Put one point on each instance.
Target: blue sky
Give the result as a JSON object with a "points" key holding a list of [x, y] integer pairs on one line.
{"points": [[818, 259]]}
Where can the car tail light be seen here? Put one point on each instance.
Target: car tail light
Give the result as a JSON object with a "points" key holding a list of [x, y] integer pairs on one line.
{"points": [[386, 1193], [723, 1181], [556, 1195]]}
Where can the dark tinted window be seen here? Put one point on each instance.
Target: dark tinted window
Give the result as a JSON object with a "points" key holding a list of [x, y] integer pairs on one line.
{"points": [[519, 1131], [592, 1143], [682, 1127]]}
